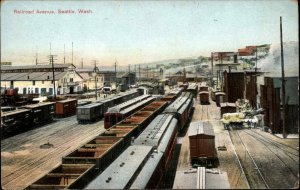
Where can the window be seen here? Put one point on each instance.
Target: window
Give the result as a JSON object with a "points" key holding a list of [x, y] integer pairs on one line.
{"points": [[71, 79], [24, 90], [42, 82], [33, 82], [50, 91], [43, 91], [36, 90], [11, 83]]}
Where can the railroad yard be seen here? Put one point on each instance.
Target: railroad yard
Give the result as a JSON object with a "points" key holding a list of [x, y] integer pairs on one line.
{"points": [[253, 158]]}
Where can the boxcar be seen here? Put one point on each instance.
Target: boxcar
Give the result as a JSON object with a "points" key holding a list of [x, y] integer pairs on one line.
{"points": [[41, 112], [220, 98], [202, 142], [90, 113], [227, 108], [65, 108], [204, 97], [203, 88], [193, 88], [14, 121], [120, 112], [181, 108]]}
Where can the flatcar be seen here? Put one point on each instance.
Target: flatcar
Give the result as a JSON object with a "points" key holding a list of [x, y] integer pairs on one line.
{"points": [[144, 163], [120, 112], [181, 108], [204, 97], [66, 107]]}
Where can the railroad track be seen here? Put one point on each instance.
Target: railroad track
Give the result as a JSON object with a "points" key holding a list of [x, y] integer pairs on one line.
{"points": [[255, 179], [205, 112], [281, 153]]}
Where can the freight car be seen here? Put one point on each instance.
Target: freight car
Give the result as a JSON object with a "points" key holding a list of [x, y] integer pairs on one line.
{"points": [[29, 116], [203, 88], [89, 113], [181, 108], [202, 143], [14, 121], [65, 108], [220, 98], [193, 88], [227, 108], [99, 152], [173, 94], [144, 163], [41, 112], [204, 97], [95, 111], [110, 102], [120, 112]]}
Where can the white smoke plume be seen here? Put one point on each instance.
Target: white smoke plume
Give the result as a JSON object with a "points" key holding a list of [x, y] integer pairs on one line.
{"points": [[272, 63]]}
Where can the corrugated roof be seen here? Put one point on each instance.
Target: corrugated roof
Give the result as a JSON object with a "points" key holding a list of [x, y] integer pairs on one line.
{"points": [[201, 127], [37, 76], [35, 66]]}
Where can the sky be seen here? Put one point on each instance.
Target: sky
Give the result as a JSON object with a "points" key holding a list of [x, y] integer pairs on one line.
{"points": [[133, 32]]}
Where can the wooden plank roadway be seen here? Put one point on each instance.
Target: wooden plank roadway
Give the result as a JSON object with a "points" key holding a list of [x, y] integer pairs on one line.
{"points": [[22, 159]]}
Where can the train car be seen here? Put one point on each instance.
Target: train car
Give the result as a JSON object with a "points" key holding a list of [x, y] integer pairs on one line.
{"points": [[204, 97], [14, 121], [65, 108], [42, 112], [120, 112], [193, 88], [220, 98], [181, 108], [203, 88], [89, 113], [144, 163], [82, 103], [103, 149], [227, 108], [202, 143], [64, 176]]}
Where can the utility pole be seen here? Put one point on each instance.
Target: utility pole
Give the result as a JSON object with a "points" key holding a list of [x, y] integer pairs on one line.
{"points": [[72, 52], [36, 56], [147, 72], [129, 74], [51, 59], [64, 54], [135, 72], [116, 72], [139, 73], [212, 69], [95, 74], [282, 84]]}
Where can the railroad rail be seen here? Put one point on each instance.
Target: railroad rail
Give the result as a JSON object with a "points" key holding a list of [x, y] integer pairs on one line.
{"points": [[257, 181]]}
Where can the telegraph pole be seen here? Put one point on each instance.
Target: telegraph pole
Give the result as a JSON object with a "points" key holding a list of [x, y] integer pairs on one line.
{"points": [[95, 73], [116, 72], [72, 52], [282, 84], [139, 73], [51, 59], [64, 54], [129, 74], [36, 56]]}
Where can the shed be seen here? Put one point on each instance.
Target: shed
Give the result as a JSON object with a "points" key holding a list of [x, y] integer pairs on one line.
{"points": [[227, 107], [202, 141]]}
